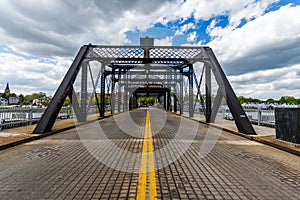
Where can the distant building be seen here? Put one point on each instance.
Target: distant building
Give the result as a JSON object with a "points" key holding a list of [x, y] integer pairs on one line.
{"points": [[41, 101], [13, 100], [7, 90], [3, 101]]}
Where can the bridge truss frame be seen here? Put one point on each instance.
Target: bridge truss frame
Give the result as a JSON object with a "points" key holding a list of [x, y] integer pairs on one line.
{"points": [[124, 64]]}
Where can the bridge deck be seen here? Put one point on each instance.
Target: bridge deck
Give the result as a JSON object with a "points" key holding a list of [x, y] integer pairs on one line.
{"points": [[207, 163]]}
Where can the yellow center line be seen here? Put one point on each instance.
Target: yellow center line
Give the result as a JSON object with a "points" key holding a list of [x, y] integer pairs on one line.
{"points": [[147, 161]]}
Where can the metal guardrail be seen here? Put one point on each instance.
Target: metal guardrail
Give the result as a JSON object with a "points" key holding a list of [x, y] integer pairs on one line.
{"points": [[258, 116], [21, 116], [261, 117]]}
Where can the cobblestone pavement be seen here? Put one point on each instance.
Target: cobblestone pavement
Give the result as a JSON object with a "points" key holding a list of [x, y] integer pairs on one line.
{"points": [[67, 166]]}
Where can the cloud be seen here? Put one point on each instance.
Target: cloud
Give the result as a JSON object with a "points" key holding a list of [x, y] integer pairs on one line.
{"points": [[59, 28], [192, 36], [167, 41], [185, 28], [270, 41], [31, 75], [268, 83]]}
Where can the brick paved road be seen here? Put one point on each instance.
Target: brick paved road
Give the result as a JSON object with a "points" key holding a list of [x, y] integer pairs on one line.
{"points": [[61, 167]]}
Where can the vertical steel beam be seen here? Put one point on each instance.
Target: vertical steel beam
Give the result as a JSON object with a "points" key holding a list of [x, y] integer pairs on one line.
{"points": [[131, 102], [175, 103], [191, 95], [135, 97], [83, 92], [165, 100], [102, 94], [126, 99], [126, 102], [207, 93], [181, 92], [169, 100], [119, 97], [48, 118], [113, 82], [119, 91]]}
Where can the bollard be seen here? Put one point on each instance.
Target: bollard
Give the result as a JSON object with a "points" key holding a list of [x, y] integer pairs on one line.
{"points": [[258, 116], [30, 113], [287, 124]]}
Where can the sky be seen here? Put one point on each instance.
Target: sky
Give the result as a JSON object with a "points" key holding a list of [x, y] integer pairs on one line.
{"points": [[257, 42]]}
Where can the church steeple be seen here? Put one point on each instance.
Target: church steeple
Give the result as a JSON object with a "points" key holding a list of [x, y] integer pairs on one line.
{"points": [[7, 90]]}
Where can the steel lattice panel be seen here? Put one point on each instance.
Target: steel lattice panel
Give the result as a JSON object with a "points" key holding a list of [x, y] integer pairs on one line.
{"points": [[177, 53], [119, 52]]}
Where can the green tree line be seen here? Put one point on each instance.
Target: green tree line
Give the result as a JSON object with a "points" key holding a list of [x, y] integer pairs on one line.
{"points": [[283, 100], [25, 99]]}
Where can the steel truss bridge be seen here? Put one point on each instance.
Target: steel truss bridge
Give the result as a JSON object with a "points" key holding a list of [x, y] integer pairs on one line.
{"points": [[115, 76]]}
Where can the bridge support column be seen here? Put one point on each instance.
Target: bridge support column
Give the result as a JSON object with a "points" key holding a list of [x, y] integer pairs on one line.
{"points": [[165, 101], [119, 91], [181, 92], [126, 100], [208, 93], [113, 95], [175, 103], [102, 94], [169, 101], [191, 96], [83, 94]]}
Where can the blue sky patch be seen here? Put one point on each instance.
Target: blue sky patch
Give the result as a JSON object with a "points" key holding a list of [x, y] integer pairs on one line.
{"points": [[6, 49]]}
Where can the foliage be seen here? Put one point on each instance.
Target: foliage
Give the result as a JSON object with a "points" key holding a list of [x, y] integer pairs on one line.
{"points": [[106, 99], [147, 100], [6, 96], [67, 102], [283, 100], [28, 99]]}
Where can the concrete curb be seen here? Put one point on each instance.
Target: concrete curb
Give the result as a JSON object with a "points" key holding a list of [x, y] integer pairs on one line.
{"points": [[261, 140], [253, 137], [39, 136], [33, 137]]}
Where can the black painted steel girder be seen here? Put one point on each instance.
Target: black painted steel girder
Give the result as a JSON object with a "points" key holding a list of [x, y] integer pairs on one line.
{"points": [[65, 89], [122, 59]]}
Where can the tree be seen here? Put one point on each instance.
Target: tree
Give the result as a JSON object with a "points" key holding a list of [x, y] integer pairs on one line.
{"points": [[21, 97], [147, 100], [67, 102], [28, 99], [242, 99], [5, 96], [282, 100], [271, 101]]}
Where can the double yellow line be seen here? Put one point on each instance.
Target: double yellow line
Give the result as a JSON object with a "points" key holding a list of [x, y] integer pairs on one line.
{"points": [[147, 162]]}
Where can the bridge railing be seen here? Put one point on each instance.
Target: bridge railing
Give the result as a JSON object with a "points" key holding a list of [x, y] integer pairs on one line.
{"points": [[258, 116], [20, 116]]}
